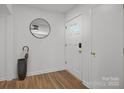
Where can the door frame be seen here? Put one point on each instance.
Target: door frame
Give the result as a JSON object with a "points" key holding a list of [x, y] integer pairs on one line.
{"points": [[76, 16]]}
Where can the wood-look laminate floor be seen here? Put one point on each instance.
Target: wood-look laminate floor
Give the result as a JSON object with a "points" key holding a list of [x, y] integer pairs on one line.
{"points": [[60, 80]]}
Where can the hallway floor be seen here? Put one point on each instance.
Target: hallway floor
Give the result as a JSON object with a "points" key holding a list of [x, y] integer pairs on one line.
{"points": [[55, 80]]}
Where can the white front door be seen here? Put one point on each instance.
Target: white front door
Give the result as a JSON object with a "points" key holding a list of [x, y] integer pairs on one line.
{"points": [[73, 46], [107, 46], [2, 47]]}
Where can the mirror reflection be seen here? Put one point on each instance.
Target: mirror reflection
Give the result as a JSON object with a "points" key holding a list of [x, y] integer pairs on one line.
{"points": [[40, 28]]}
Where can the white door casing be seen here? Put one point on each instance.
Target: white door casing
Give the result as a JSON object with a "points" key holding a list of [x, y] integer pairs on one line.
{"points": [[86, 47]]}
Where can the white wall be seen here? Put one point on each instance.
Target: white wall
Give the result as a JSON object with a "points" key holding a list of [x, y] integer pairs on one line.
{"points": [[82, 8], [2, 46], [5, 9], [45, 54], [6, 38], [123, 42], [10, 48], [123, 27]]}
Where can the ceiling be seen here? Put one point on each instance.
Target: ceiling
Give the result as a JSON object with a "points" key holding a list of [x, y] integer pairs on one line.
{"points": [[61, 8], [4, 9]]}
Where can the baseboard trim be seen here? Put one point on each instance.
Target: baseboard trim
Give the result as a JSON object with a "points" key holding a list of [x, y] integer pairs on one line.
{"points": [[83, 82], [11, 77], [86, 84], [44, 71], [73, 75], [2, 78]]}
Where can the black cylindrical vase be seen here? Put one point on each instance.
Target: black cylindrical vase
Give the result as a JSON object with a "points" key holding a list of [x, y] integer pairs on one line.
{"points": [[22, 68]]}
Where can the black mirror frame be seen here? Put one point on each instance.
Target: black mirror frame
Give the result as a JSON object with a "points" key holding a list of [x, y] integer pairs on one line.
{"points": [[46, 22]]}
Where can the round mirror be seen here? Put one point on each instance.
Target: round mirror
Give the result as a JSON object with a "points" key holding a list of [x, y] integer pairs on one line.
{"points": [[40, 28]]}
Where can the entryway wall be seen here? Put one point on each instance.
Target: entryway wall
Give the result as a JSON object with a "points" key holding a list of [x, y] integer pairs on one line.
{"points": [[6, 47], [2, 46], [123, 41], [45, 55]]}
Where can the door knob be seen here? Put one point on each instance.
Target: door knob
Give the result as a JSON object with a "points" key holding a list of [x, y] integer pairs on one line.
{"points": [[93, 53], [80, 51]]}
